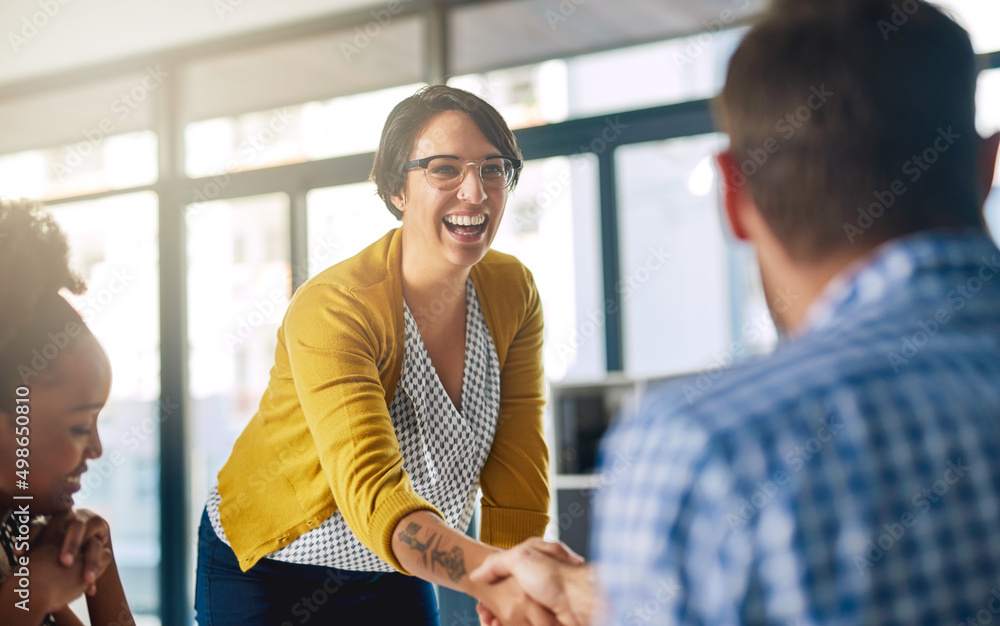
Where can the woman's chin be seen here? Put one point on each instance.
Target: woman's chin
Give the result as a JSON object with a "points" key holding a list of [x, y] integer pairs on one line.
{"points": [[58, 503], [468, 256]]}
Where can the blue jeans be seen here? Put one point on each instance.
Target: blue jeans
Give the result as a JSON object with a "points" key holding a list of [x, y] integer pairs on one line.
{"points": [[273, 593]]}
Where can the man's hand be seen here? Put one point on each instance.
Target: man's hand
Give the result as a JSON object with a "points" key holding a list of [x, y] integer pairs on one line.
{"points": [[550, 573], [506, 602]]}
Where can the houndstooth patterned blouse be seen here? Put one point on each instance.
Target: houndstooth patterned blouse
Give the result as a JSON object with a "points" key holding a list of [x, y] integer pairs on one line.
{"points": [[443, 450]]}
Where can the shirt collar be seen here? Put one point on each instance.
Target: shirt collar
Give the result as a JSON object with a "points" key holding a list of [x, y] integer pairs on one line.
{"points": [[893, 264]]}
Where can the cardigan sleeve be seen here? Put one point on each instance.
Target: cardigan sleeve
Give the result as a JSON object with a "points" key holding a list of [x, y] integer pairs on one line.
{"points": [[333, 355], [514, 479]]}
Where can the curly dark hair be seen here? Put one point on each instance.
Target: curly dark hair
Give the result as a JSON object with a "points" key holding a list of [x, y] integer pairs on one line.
{"points": [[28, 230]]}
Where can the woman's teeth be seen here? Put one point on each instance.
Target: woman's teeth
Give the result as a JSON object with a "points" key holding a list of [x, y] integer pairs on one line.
{"points": [[465, 220], [467, 225]]}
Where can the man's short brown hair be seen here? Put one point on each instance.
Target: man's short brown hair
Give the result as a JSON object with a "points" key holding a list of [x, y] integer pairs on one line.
{"points": [[409, 118], [853, 122]]}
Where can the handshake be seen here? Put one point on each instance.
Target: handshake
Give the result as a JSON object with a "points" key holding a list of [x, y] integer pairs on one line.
{"points": [[537, 583]]}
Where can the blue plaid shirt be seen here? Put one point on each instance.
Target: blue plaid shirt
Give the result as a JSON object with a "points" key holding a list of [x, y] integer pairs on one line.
{"points": [[852, 477]]}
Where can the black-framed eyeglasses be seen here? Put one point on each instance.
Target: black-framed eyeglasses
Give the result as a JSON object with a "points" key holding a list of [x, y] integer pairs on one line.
{"points": [[446, 171]]}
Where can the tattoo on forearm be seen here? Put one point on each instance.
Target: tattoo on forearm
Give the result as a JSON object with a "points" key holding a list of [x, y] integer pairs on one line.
{"points": [[409, 537], [453, 561]]}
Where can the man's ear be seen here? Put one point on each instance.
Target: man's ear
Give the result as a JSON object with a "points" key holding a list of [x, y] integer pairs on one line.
{"points": [[986, 164], [734, 194]]}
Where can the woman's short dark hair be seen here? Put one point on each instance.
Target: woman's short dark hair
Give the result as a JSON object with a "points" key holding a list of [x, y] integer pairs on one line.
{"points": [[409, 118]]}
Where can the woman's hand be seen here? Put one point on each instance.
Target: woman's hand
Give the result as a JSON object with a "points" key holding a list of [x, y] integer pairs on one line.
{"points": [[550, 573], [84, 543], [86, 536], [507, 603], [53, 583], [429, 549]]}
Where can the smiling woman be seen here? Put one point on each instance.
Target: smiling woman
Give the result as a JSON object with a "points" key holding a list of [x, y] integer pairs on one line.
{"points": [[405, 378], [54, 380]]}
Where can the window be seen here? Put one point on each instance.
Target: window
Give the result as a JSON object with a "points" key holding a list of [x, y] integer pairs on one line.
{"points": [[239, 282], [685, 291], [94, 164], [343, 221], [113, 245], [988, 108], [292, 134], [636, 77], [526, 96], [551, 225], [980, 18], [690, 295], [678, 70]]}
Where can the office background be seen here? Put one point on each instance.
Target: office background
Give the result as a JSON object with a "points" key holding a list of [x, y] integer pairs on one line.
{"points": [[206, 157]]}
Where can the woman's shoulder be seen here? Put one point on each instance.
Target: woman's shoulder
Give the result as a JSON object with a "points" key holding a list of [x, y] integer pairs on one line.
{"points": [[496, 258], [507, 294], [504, 273], [360, 286]]}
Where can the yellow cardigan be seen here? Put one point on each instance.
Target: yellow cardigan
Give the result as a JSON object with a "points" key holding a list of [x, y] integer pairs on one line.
{"points": [[322, 439]]}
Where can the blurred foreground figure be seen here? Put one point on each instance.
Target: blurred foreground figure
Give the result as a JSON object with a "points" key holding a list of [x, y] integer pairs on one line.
{"points": [[853, 477]]}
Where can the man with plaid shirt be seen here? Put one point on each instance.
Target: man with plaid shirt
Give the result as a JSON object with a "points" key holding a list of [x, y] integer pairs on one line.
{"points": [[853, 476]]}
